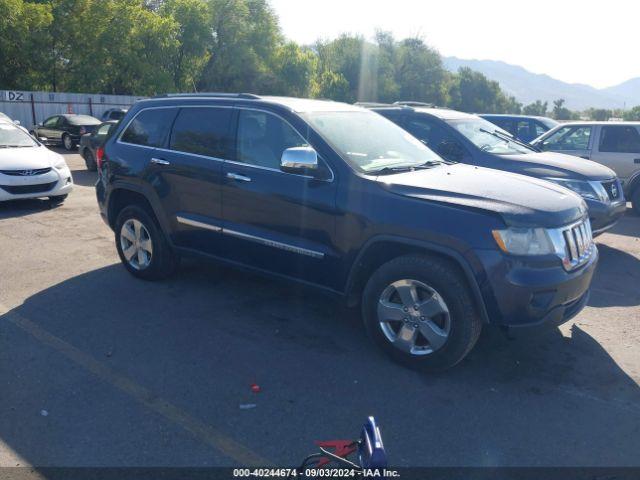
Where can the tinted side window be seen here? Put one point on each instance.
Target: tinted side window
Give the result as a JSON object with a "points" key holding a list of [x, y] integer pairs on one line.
{"points": [[540, 129], [204, 131], [263, 137], [436, 138], [568, 138], [620, 139], [524, 130], [150, 127], [50, 122]]}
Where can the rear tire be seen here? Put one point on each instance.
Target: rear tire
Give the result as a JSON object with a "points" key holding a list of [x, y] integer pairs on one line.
{"points": [[67, 142], [635, 200], [443, 308], [89, 160], [142, 246]]}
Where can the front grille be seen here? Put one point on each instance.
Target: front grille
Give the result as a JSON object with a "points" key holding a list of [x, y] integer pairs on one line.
{"points": [[26, 173], [579, 244], [23, 189], [613, 188]]}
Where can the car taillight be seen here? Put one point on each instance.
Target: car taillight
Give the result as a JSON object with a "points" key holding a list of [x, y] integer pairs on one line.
{"points": [[99, 157], [83, 130]]}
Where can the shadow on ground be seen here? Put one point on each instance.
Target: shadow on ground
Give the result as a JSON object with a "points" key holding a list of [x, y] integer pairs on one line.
{"points": [[199, 340]]}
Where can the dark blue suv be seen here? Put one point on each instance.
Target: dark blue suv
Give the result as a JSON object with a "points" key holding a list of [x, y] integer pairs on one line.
{"points": [[338, 197]]}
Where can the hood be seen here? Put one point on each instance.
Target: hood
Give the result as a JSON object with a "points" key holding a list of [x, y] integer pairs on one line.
{"points": [[520, 200], [551, 164], [28, 158]]}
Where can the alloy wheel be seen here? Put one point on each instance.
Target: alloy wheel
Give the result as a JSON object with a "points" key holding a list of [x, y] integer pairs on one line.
{"points": [[136, 244], [414, 317]]}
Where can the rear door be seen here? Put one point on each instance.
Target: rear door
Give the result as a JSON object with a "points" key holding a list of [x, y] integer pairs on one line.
{"points": [[618, 147], [277, 221], [189, 175], [573, 140]]}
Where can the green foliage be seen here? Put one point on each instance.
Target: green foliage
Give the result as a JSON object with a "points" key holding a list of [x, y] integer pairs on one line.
{"points": [[537, 109], [471, 91], [632, 115], [599, 114], [23, 30], [560, 112], [144, 47]]}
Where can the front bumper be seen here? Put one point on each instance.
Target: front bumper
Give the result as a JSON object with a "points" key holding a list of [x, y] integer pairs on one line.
{"points": [[519, 293], [54, 183], [604, 216]]}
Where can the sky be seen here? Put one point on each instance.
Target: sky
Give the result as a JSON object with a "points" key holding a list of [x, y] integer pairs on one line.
{"points": [[591, 42]]}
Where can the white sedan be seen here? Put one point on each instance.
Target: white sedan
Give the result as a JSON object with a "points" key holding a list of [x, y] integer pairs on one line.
{"points": [[28, 169]]}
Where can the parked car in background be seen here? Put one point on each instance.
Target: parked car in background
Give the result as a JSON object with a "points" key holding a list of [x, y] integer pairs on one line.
{"points": [[523, 127], [336, 196], [65, 129], [90, 142], [113, 114], [465, 138], [613, 144], [28, 169]]}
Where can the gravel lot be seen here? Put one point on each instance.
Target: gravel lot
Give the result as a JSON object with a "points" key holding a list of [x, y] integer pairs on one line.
{"points": [[100, 369]]}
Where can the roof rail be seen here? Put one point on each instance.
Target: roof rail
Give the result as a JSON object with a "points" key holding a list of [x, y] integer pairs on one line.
{"points": [[250, 96], [410, 103], [373, 104]]}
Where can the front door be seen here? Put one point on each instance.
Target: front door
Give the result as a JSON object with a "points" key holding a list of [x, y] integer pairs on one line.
{"points": [[280, 222], [618, 147], [572, 140]]}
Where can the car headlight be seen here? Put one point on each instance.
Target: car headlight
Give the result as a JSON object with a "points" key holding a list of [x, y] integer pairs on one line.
{"points": [[524, 241], [586, 189]]}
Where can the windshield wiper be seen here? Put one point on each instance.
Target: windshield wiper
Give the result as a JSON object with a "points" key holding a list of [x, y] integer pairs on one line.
{"points": [[508, 138], [405, 168]]}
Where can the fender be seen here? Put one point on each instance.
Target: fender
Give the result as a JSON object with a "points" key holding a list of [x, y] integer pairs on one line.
{"points": [[150, 195], [454, 255]]}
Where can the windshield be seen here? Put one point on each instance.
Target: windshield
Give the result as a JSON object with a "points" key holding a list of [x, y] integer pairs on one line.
{"points": [[83, 120], [12, 136], [370, 142], [487, 137]]}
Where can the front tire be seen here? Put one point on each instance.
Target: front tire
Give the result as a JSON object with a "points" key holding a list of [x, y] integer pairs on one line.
{"points": [[142, 246], [58, 199], [67, 142], [420, 311]]}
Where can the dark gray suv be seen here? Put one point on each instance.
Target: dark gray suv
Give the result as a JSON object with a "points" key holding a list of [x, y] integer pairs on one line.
{"points": [[466, 138]]}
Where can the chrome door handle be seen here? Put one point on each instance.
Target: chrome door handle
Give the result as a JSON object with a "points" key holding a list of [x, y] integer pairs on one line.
{"points": [[159, 161], [236, 176]]}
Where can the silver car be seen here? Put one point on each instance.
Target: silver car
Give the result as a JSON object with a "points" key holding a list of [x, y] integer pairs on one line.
{"points": [[613, 144]]}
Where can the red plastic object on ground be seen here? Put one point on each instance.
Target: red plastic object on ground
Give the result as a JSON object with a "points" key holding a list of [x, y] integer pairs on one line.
{"points": [[343, 448]]}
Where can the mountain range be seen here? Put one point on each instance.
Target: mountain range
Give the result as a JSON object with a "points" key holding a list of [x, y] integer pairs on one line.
{"points": [[527, 87]]}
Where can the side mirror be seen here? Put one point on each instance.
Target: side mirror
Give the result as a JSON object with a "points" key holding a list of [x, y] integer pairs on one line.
{"points": [[299, 160], [39, 124], [17, 122]]}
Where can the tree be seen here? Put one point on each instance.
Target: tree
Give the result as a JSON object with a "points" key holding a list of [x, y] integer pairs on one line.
{"points": [[243, 46], [560, 112], [599, 114], [292, 71], [419, 72], [632, 115], [194, 36], [23, 32], [537, 109], [471, 91]]}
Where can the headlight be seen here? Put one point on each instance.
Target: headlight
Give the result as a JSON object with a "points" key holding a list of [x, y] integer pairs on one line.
{"points": [[524, 241], [590, 190]]}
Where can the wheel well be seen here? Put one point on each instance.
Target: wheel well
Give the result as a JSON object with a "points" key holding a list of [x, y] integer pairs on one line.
{"points": [[122, 198], [384, 251]]}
